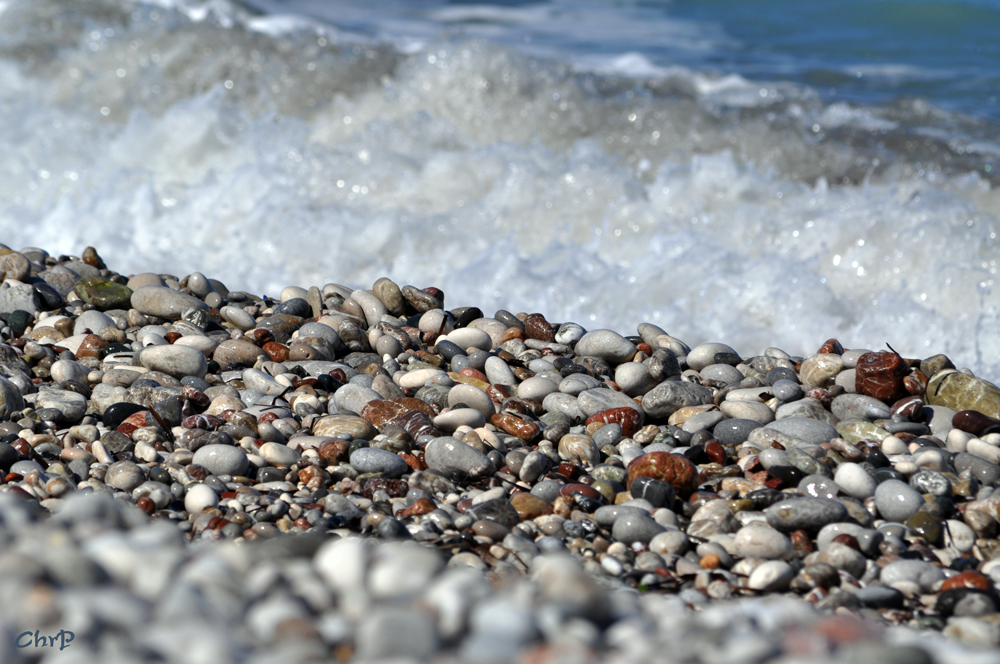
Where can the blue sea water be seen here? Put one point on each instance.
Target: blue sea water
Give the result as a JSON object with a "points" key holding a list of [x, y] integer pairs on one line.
{"points": [[758, 173]]}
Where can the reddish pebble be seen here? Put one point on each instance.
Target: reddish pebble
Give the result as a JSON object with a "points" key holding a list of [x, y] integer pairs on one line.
{"points": [[711, 561], [967, 579], [801, 541], [674, 469], [536, 327], [628, 418], [473, 373], [262, 336], [880, 375], [583, 490], [421, 506], [512, 333], [277, 352], [715, 451], [848, 540], [909, 407], [915, 382], [831, 346]]}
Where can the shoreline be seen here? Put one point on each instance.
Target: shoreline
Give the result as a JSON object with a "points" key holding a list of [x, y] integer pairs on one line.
{"points": [[544, 491]]}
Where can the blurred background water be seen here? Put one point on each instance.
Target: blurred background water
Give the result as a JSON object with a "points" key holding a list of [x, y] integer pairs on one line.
{"points": [[759, 173]]}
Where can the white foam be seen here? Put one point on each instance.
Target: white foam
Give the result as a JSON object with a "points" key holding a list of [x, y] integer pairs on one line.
{"points": [[505, 181]]}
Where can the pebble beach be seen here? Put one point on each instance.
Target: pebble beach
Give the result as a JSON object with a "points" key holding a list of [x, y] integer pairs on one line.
{"points": [[372, 472]]}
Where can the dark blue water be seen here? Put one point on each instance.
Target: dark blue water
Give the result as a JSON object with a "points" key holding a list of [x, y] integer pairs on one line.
{"points": [[864, 51], [946, 52]]}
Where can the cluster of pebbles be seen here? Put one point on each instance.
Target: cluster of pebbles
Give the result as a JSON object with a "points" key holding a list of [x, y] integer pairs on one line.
{"points": [[197, 474]]}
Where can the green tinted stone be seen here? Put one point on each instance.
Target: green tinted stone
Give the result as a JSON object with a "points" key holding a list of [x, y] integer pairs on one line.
{"points": [[19, 320], [854, 431], [934, 364], [959, 391], [609, 473], [103, 293], [926, 525], [606, 489]]}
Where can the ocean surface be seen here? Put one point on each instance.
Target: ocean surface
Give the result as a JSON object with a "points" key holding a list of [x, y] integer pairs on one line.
{"points": [[760, 173]]}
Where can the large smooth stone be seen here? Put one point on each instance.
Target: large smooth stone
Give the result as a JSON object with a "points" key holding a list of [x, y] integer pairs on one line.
{"points": [[805, 429], [960, 391], [670, 396], [804, 514], [897, 501], [222, 459], [174, 360], [610, 346], [164, 302], [103, 293], [374, 460], [454, 457]]}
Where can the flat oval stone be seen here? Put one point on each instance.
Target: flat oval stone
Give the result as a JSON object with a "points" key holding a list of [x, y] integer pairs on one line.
{"points": [[592, 402], [374, 460], [805, 429], [919, 572], [855, 480], [92, 320], [897, 501], [238, 351], [635, 527], [457, 417], [747, 410], [454, 457], [418, 378], [734, 431], [771, 576], [332, 425], [804, 514], [760, 542], [702, 421], [854, 406], [703, 355], [354, 397], [608, 345], [174, 360], [222, 459], [238, 317], [498, 372], [201, 343], [668, 397], [606, 515], [536, 388], [469, 337], [124, 475], [278, 455], [164, 302], [255, 379]]}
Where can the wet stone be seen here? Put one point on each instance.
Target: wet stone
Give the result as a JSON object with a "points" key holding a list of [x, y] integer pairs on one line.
{"points": [[897, 501], [103, 293], [734, 431], [804, 514]]}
